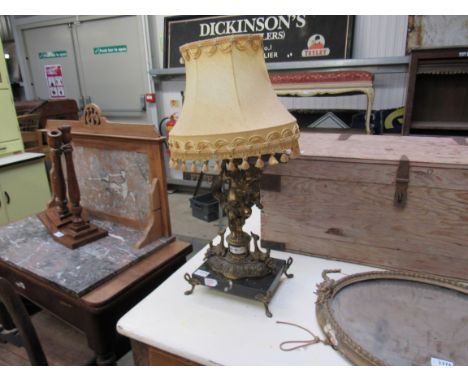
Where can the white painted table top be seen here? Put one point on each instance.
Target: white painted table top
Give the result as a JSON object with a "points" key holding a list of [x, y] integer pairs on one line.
{"points": [[213, 328], [18, 158]]}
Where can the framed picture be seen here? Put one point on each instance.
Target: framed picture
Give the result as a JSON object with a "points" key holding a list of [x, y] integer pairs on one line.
{"points": [[286, 37]]}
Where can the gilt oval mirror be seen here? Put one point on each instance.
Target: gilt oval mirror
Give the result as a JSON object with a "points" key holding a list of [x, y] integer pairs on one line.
{"points": [[395, 318]]}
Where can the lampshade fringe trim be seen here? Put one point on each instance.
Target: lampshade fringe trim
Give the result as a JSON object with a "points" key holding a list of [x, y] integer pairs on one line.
{"points": [[245, 164], [259, 163], [295, 150], [231, 166], [217, 168], [272, 161]]}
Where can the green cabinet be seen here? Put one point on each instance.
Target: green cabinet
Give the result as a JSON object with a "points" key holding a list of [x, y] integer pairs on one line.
{"points": [[10, 135], [24, 188]]}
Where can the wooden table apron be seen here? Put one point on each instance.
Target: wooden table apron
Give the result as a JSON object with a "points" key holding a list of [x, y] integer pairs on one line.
{"points": [[96, 313]]}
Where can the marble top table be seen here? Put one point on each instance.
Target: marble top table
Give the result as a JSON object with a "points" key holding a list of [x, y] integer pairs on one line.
{"points": [[90, 287], [213, 328], [27, 245]]}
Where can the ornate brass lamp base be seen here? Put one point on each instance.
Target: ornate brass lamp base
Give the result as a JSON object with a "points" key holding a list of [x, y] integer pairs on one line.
{"points": [[238, 261], [237, 269]]}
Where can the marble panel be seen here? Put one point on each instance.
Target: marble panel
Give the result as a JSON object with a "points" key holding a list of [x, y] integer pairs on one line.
{"points": [[113, 181]]}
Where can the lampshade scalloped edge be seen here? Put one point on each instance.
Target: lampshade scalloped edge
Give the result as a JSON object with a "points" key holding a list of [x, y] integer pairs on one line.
{"points": [[192, 51], [238, 148]]}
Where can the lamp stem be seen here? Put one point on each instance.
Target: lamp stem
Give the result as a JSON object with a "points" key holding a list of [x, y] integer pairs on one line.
{"points": [[240, 193]]}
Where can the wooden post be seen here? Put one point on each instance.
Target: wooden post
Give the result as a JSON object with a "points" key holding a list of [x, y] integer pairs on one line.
{"points": [[54, 139], [68, 229], [72, 183]]}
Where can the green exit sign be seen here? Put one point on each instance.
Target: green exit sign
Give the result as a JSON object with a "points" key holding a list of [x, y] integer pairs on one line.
{"points": [[110, 49], [56, 54]]}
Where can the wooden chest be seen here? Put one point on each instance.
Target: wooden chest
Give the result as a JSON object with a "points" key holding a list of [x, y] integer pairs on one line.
{"points": [[390, 201]]}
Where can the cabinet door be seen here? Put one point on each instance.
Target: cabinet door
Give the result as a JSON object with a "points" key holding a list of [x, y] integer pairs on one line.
{"points": [[4, 81], [3, 213], [25, 189], [113, 57], [52, 45], [9, 130]]}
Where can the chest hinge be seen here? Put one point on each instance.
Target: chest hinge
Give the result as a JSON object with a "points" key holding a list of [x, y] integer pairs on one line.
{"points": [[401, 183]]}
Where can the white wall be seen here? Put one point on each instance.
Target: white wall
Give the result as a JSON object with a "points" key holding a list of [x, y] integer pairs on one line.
{"points": [[156, 26], [379, 36], [432, 31]]}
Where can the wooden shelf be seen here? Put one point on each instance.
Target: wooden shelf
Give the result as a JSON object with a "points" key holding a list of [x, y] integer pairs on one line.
{"points": [[437, 94], [396, 64]]}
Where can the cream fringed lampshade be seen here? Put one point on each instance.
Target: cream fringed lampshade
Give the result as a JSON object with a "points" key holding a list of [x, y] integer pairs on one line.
{"points": [[230, 110]]}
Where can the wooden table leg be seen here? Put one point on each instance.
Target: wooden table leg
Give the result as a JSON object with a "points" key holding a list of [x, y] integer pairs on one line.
{"points": [[106, 359], [101, 335], [5, 319], [370, 103]]}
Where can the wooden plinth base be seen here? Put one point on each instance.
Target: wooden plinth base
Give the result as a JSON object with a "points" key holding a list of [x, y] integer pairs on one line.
{"points": [[68, 235]]}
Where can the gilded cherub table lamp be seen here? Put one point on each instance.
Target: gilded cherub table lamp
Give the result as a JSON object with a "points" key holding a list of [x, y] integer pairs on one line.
{"points": [[231, 115]]}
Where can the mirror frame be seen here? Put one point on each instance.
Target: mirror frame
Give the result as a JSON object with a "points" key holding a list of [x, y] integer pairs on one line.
{"points": [[336, 335]]}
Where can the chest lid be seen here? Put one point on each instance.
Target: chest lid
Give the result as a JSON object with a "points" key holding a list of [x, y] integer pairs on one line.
{"points": [[435, 152]]}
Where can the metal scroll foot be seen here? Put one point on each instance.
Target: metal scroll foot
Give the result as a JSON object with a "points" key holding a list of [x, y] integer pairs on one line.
{"points": [[265, 299], [285, 271], [267, 311], [193, 282]]}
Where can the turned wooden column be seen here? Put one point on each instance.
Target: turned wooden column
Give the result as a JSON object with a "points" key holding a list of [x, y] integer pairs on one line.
{"points": [[72, 182], [69, 229], [54, 139]]}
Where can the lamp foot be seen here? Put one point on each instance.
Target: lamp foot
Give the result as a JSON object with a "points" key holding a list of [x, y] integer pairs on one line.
{"points": [[192, 281], [265, 298], [285, 271]]}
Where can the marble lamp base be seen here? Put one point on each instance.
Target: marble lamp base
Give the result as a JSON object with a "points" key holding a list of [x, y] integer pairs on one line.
{"points": [[260, 289]]}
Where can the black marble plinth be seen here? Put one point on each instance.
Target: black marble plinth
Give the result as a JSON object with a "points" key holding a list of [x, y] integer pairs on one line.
{"points": [[259, 288]]}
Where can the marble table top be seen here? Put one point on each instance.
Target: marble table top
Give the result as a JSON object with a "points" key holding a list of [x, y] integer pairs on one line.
{"points": [[26, 244]]}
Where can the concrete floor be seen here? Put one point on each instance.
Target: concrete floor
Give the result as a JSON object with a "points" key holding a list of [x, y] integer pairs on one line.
{"points": [[188, 228]]}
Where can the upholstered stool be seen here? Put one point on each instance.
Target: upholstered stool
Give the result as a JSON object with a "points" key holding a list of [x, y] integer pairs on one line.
{"points": [[308, 84]]}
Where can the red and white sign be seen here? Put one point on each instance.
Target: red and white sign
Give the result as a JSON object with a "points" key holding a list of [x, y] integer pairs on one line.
{"points": [[150, 97], [54, 79], [316, 47]]}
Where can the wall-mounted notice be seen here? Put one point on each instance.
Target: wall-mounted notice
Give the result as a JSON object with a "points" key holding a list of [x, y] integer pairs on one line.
{"points": [[54, 79], [110, 49], [56, 54]]}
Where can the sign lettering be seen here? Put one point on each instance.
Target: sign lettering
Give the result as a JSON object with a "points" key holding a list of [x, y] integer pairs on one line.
{"points": [[110, 49]]}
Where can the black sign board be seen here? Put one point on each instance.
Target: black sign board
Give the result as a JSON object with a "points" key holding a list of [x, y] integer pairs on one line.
{"points": [[286, 38]]}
